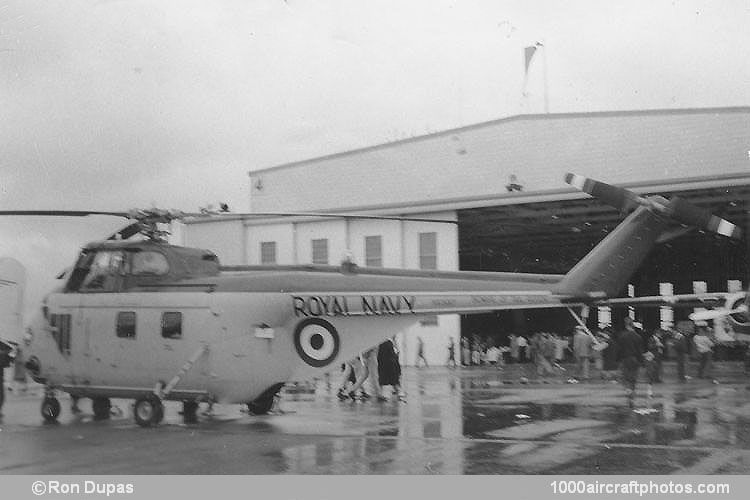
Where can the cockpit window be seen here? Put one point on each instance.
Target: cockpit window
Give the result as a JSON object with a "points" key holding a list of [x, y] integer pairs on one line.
{"points": [[104, 270], [149, 263]]}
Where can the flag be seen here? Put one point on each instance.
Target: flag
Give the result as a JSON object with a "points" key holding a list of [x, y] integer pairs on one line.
{"points": [[528, 53]]}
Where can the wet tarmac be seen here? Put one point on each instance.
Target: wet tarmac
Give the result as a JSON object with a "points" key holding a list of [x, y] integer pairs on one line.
{"points": [[462, 421]]}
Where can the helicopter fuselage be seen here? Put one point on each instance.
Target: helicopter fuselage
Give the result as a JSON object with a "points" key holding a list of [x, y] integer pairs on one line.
{"points": [[229, 334]]}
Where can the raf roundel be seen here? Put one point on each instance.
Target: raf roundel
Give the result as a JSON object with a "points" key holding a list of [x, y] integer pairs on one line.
{"points": [[316, 341]]}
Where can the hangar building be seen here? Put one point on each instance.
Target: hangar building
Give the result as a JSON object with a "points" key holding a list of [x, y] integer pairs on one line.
{"points": [[502, 181]]}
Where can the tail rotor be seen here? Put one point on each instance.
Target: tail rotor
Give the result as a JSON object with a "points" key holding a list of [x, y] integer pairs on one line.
{"points": [[677, 209]]}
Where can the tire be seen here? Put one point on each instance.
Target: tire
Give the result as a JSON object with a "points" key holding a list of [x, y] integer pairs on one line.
{"points": [[101, 407], [50, 409], [148, 410], [189, 410], [260, 406]]}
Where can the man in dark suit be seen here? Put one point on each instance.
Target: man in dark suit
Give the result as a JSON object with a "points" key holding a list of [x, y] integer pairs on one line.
{"points": [[630, 354]]}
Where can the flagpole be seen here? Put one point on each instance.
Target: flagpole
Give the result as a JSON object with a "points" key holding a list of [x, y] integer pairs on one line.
{"points": [[546, 90]]}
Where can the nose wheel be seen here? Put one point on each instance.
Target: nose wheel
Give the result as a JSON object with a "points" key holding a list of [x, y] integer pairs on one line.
{"points": [[148, 410], [50, 409]]}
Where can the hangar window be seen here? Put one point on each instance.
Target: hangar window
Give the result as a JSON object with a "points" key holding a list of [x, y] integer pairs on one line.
{"points": [[268, 252], [320, 251], [373, 251], [428, 250], [126, 324], [149, 263], [171, 325]]}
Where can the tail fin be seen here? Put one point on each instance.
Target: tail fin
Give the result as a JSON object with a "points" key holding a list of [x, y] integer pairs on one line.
{"points": [[607, 268]]}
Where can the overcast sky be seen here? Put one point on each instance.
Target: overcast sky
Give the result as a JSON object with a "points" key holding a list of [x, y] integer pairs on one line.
{"points": [[117, 104]]}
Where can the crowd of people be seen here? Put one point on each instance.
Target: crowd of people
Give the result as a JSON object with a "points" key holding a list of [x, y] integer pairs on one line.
{"points": [[612, 353], [379, 367]]}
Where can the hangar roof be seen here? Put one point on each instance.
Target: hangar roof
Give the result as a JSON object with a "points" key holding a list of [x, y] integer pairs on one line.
{"points": [[472, 166]]}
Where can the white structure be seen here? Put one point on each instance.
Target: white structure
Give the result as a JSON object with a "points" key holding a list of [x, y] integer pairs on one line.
{"points": [[439, 175], [378, 243]]}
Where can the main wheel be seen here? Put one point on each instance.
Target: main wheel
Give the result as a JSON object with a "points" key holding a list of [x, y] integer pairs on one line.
{"points": [[101, 407], [260, 406], [189, 410], [50, 409], [148, 410]]}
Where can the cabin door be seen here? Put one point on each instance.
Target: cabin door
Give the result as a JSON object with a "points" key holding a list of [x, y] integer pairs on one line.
{"points": [[64, 319]]}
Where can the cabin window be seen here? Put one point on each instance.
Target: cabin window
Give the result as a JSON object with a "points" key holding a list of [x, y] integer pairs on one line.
{"points": [[104, 270], [61, 332], [126, 324], [171, 325], [320, 251], [373, 251], [148, 263], [268, 252], [428, 250]]}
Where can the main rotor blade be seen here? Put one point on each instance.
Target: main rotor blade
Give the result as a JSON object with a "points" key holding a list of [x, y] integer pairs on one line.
{"points": [[62, 213], [314, 214]]}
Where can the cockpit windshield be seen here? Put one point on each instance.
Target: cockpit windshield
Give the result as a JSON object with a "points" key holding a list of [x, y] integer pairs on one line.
{"points": [[104, 270]]}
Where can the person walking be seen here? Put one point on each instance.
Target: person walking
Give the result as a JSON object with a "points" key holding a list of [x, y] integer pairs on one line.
{"points": [[420, 353], [451, 353], [20, 380], [371, 362], [630, 354], [680, 346], [582, 352], [704, 345], [5, 361], [465, 352], [389, 368], [656, 347], [513, 345], [523, 344], [355, 372]]}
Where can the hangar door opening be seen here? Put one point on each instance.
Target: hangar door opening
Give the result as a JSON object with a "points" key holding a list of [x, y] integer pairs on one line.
{"points": [[550, 237]]}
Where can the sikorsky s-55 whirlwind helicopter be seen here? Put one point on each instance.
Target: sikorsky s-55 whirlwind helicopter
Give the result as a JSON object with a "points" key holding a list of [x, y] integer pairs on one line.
{"points": [[143, 319]]}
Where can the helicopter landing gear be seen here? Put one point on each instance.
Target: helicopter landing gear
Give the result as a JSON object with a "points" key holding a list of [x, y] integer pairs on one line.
{"points": [[148, 410], [189, 411], [263, 403], [50, 408], [260, 406], [101, 407]]}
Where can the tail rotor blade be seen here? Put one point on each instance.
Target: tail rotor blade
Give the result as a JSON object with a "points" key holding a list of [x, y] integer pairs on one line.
{"points": [[677, 209], [689, 214], [613, 196]]}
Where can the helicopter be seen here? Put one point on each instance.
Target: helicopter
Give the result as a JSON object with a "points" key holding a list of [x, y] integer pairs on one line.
{"points": [[145, 320]]}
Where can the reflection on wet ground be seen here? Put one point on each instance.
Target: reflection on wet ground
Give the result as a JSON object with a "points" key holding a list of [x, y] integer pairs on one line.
{"points": [[464, 421]]}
